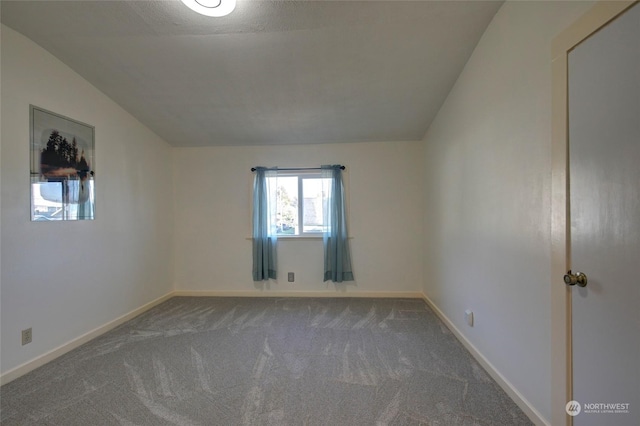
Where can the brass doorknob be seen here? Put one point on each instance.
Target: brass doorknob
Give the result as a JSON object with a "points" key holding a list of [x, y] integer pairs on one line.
{"points": [[577, 278]]}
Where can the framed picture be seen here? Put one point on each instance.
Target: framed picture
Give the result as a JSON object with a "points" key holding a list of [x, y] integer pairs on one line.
{"points": [[62, 173]]}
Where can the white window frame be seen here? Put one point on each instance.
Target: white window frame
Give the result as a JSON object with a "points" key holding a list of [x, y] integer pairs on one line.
{"points": [[301, 176]]}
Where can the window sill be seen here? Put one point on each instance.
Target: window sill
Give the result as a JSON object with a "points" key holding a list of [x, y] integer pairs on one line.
{"points": [[301, 237], [297, 238]]}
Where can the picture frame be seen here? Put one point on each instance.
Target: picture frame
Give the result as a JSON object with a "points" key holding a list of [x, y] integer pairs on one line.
{"points": [[62, 167]]}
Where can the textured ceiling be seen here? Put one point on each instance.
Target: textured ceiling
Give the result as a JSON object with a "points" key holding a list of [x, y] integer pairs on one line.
{"points": [[272, 72]]}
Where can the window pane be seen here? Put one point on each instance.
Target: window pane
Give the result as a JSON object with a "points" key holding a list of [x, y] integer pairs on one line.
{"points": [[313, 204], [287, 205]]}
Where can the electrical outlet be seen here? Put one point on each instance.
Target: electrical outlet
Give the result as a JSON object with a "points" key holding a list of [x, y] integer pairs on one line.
{"points": [[27, 336], [291, 277], [468, 317]]}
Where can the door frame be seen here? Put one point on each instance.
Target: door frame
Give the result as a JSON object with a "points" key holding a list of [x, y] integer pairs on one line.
{"points": [[598, 16]]}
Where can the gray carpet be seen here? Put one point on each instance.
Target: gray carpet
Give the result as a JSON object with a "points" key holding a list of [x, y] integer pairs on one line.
{"points": [[266, 361]]}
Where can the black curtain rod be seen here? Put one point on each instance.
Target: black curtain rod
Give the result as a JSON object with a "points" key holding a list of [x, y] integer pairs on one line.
{"points": [[253, 169]]}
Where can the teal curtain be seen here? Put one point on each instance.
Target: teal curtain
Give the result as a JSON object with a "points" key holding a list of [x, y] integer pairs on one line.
{"points": [[264, 232], [337, 259]]}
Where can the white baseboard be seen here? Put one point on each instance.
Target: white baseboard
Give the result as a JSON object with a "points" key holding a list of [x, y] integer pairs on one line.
{"points": [[328, 293], [513, 393], [28, 366]]}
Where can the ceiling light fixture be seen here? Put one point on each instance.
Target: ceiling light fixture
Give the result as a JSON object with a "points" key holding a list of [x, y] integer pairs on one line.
{"points": [[215, 8]]}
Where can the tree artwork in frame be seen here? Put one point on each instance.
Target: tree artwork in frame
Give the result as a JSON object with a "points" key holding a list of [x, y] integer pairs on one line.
{"points": [[62, 174]]}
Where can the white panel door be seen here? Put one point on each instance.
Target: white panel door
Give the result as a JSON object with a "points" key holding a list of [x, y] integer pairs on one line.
{"points": [[604, 141]]}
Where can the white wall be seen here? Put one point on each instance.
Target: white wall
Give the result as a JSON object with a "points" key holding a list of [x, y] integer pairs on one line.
{"points": [[67, 278], [213, 206], [487, 186]]}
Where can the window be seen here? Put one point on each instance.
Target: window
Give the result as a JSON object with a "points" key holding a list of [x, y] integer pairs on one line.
{"points": [[300, 202]]}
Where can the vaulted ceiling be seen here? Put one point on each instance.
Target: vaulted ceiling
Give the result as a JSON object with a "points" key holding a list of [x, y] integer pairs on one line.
{"points": [[271, 72]]}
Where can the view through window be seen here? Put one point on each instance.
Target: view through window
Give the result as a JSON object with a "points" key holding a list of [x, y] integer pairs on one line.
{"points": [[301, 200]]}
